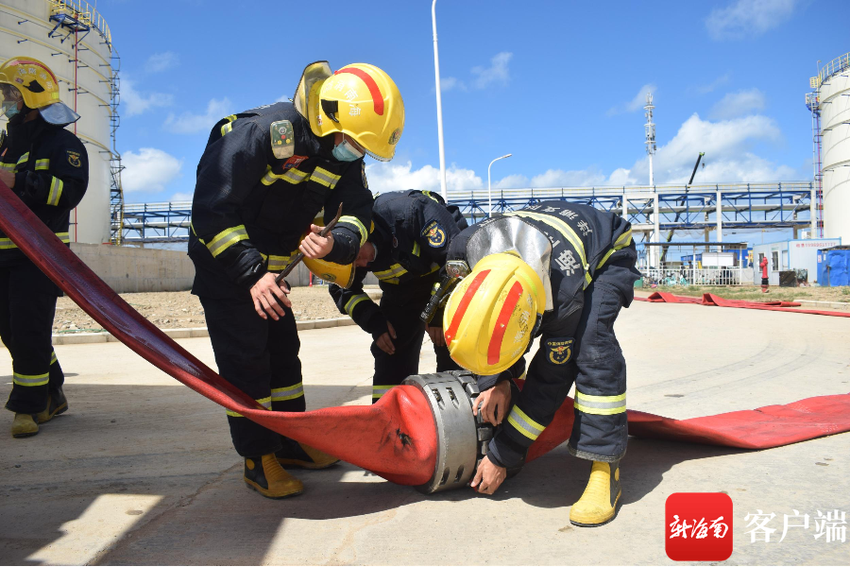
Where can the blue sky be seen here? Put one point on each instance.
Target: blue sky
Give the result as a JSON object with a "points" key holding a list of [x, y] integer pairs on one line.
{"points": [[558, 84]]}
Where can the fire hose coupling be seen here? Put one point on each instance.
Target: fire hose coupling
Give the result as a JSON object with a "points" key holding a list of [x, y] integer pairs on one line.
{"points": [[461, 437]]}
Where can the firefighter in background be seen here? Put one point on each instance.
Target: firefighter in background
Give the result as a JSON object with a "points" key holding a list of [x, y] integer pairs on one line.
{"points": [[265, 174], [561, 271], [406, 251], [47, 167]]}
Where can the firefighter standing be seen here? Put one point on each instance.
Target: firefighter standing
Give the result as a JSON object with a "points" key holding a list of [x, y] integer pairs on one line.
{"points": [[406, 252], [47, 167], [562, 271], [264, 176]]}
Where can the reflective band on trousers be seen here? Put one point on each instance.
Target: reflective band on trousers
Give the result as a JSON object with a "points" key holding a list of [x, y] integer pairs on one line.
{"points": [[53, 359], [568, 233], [55, 193], [525, 424], [364, 234], [7, 244], [30, 379], [227, 238], [288, 393], [354, 302], [379, 391], [265, 402], [600, 405]]}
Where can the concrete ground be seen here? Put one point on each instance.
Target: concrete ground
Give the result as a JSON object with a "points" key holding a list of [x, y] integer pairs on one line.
{"points": [[140, 470]]}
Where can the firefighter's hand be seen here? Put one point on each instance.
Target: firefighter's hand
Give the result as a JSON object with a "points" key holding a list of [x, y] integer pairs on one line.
{"points": [[385, 342], [488, 477], [268, 297], [494, 403], [436, 334], [314, 246], [7, 177]]}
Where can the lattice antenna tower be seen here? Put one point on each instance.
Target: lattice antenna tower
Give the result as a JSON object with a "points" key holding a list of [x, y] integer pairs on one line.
{"points": [[650, 135]]}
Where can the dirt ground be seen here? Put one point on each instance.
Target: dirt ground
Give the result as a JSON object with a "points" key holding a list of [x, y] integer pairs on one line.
{"points": [[182, 310]]}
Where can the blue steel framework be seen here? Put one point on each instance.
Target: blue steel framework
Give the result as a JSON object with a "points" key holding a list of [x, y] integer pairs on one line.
{"points": [[752, 205]]}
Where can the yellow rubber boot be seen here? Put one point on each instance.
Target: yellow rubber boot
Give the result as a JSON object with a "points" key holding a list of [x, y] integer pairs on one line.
{"points": [[56, 404], [598, 504], [266, 476], [299, 455], [24, 425]]}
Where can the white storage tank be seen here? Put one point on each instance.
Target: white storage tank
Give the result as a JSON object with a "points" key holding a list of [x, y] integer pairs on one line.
{"points": [[834, 100], [83, 63]]}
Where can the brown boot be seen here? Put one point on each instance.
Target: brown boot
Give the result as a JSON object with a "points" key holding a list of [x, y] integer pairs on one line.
{"points": [[266, 476]]}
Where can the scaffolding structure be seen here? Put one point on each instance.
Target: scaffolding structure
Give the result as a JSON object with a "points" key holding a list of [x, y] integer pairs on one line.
{"points": [[813, 104], [77, 18]]}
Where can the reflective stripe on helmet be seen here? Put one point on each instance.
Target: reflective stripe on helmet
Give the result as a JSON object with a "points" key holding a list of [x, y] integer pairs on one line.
{"points": [[377, 97], [464, 303], [600, 405], [495, 347]]}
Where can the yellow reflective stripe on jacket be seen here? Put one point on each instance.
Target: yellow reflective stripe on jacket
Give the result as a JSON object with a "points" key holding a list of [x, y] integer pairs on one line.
{"points": [[229, 126], [354, 302], [55, 193], [525, 424], [600, 405], [379, 391], [622, 241], [7, 244], [568, 232], [9, 166], [276, 263], [42, 164], [227, 238], [53, 359], [265, 402], [288, 393], [291, 175], [324, 177], [416, 249], [391, 275], [364, 234], [432, 197], [24, 158], [30, 379]]}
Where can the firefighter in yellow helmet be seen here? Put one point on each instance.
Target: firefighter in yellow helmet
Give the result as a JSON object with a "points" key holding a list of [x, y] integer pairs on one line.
{"points": [[561, 271], [46, 165], [265, 174]]}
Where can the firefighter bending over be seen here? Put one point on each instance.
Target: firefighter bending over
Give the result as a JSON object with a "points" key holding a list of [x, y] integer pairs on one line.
{"points": [[561, 271]]}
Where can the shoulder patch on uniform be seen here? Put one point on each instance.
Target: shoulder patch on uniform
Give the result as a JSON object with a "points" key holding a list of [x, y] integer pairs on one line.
{"points": [[363, 173], [559, 350], [283, 139], [435, 234], [74, 158]]}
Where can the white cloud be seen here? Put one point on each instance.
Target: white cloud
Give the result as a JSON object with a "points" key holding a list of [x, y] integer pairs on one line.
{"points": [[728, 153], [738, 104], [384, 177], [177, 197], [189, 123], [161, 61], [149, 170], [451, 83], [135, 102], [638, 102], [496, 73], [748, 18]]}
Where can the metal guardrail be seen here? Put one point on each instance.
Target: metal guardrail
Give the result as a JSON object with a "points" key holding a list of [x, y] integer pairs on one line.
{"points": [[832, 68]]}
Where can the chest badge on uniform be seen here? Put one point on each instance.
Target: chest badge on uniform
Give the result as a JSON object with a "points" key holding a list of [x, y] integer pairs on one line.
{"points": [[294, 161], [559, 351], [435, 234], [283, 139], [74, 159]]}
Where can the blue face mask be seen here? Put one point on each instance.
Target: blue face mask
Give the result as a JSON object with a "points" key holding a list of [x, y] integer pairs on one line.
{"points": [[346, 152], [10, 109]]}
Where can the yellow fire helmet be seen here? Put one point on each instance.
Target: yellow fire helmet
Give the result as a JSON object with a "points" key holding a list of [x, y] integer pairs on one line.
{"points": [[362, 101], [39, 88], [491, 314], [340, 274]]}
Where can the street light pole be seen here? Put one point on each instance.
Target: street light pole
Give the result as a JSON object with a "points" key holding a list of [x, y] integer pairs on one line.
{"points": [[489, 190], [443, 189]]}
